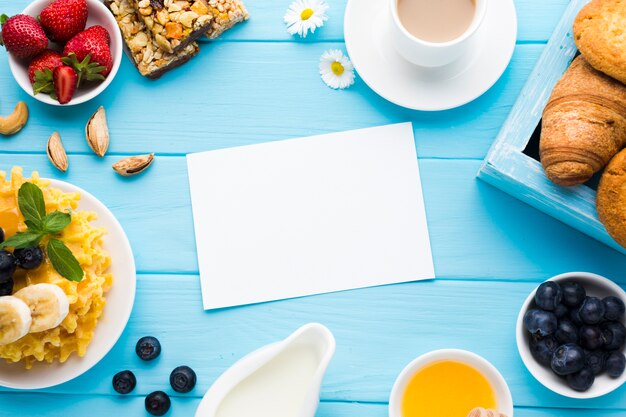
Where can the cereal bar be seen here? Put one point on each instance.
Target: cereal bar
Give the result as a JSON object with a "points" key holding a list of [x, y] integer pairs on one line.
{"points": [[143, 47], [226, 14], [175, 23]]}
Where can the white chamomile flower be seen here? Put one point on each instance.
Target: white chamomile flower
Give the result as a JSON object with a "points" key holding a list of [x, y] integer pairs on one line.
{"points": [[305, 15], [336, 69]]}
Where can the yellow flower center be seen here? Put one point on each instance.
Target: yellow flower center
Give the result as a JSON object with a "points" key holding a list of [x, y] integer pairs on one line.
{"points": [[306, 14], [336, 68]]}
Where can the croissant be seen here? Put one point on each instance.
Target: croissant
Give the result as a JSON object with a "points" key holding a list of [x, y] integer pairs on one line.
{"points": [[583, 125]]}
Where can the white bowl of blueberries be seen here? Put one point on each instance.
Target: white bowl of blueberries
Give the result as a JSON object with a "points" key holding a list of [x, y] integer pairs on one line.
{"points": [[571, 335]]}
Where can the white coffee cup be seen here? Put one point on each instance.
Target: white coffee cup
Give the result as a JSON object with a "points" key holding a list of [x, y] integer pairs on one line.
{"points": [[433, 54]]}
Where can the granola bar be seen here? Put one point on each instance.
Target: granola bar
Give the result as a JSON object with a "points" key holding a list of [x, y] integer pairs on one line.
{"points": [[175, 23], [144, 48], [226, 14]]}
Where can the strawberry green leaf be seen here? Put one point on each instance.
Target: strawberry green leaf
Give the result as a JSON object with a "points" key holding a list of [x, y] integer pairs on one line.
{"points": [[86, 70], [43, 82]]}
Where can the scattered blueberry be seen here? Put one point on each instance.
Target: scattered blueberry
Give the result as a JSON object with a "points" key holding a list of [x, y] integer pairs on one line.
{"points": [[613, 308], [539, 322], [548, 296], [615, 364], [596, 361], [591, 337], [581, 380], [148, 348], [614, 335], [573, 294], [124, 382], [6, 287], [561, 311], [592, 310], [543, 348], [566, 332], [7, 265], [29, 258], [568, 359], [158, 403], [183, 379]]}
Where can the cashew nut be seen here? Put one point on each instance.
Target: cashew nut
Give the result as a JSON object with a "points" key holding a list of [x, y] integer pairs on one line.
{"points": [[14, 122]]}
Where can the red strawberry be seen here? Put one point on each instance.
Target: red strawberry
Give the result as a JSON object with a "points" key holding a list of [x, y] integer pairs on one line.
{"points": [[65, 80], [40, 71], [22, 35], [63, 19], [100, 32], [90, 45]]}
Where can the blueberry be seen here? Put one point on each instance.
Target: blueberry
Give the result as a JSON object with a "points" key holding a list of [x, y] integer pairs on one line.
{"points": [[6, 287], [566, 332], [614, 335], [613, 308], [148, 348], [567, 359], [158, 403], [548, 295], [7, 265], [183, 379], [591, 337], [1, 235], [615, 364], [581, 380], [574, 315], [539, 322], [561, 311], [124, 382], [596, 361], [542, 349], [29, 258], [573, 294], [591, 311]]}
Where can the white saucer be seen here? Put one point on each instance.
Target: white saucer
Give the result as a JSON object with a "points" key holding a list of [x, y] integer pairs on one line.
{"points": [[367, 32], [119, 304]]}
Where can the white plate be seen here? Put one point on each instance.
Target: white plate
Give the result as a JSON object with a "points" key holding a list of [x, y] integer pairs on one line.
{"points": [[367, 32], [119, 305]]}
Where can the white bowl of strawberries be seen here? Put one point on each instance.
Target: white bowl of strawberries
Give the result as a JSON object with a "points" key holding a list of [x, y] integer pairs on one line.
{"points": [[63, 52]]}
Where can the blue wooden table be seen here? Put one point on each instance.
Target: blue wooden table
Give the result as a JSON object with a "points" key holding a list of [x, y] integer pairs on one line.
{"points": [[258, 84]]}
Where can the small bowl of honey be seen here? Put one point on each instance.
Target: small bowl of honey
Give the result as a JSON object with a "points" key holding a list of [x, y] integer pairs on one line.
{"points": [[451, 383]]}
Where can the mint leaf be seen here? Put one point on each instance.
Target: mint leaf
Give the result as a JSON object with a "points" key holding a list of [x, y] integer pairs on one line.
{"points": [[31, 203], [64, 261], [22, 240], [32, 227], [55, 222]]}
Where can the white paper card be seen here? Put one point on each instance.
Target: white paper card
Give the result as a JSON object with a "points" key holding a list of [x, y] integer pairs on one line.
{"points": [[308, 216]]}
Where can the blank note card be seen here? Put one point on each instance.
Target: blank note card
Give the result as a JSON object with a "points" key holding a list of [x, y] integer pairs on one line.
{"points": [[308, 216]]}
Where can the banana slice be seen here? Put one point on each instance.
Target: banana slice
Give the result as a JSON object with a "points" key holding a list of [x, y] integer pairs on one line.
{"points": [[15, 319], [48, 305]]}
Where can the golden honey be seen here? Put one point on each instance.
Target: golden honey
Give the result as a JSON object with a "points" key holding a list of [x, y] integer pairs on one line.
{"points": [[447, 389]]}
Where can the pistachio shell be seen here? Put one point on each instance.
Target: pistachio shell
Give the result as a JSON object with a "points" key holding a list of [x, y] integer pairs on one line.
{"points": [[133, 164], [56, 152], [97, 132]]}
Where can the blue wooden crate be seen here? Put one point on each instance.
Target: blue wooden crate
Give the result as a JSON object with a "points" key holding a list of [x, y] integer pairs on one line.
{"points": [[511, 164]]}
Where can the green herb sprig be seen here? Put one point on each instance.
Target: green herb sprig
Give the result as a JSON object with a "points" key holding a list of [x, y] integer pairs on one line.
{"points": [[33, 207]]}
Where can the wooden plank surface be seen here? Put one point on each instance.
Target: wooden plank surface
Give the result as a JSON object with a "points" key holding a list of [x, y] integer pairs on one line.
{"points": [[258, 84]]}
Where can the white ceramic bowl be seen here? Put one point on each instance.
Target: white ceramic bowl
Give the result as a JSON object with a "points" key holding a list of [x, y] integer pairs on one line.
{"points": [[595, 285], [503, 394], [119, 305], [98, 15]]}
